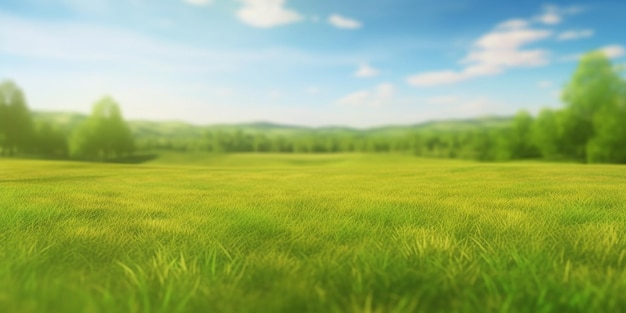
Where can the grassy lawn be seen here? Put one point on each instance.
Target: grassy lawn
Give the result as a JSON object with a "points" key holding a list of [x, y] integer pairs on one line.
{"points": [[302, 233]]}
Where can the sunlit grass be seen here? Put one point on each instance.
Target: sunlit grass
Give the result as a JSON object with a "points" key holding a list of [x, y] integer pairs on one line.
{"points": [[314, 233]]}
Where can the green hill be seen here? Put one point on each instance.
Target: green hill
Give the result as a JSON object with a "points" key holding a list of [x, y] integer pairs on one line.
{"points": [[178, 129]]}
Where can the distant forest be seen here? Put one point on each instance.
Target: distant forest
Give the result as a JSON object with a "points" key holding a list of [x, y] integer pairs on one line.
{"points": [[590, 128]]}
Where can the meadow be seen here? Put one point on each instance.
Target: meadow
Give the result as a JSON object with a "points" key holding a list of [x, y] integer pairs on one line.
{"points": [[311, 233]]}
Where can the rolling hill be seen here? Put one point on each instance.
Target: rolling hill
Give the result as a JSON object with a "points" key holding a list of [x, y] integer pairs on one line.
{"points": [[177, 129]]}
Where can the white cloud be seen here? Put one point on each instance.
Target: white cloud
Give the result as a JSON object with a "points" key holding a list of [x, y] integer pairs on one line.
{"points": [[313, 90], [510, 38], [493, 60], [492, 54], [442, 100], [380, 96], [513, 24], [436, 78], [358, 98], [544, 84], [575, 34], [83, 6], [611, 52], [549, 18], [365, 71], [385, 90], [502, 49], [553, 14], [483, 69], [198, 2], [267, 13], [343, 22]]}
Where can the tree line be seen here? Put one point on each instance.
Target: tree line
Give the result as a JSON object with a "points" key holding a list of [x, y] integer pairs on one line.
{"points": [[591, 127], [103, 136]]}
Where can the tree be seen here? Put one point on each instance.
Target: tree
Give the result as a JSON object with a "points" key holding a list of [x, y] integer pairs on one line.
{"points": [[49, 140], [519, 142], [16, 128], [609, 143], [3, 121], [545, 134], [594, 86], [104, 135], [484, 144]]}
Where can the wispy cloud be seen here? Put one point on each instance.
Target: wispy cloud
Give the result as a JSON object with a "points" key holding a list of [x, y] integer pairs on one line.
{"points": [[267, 13], [492, 54], [77, 43], [553, 14], [442, 100], [502, 48], [544, 84], [198, 2], [437, 78], [611, 52], [614, 51], [313, 90], [366, 71], [343, 22], [82, 6], [516, 23], [575, 34], [381, 95], [85, 44]]}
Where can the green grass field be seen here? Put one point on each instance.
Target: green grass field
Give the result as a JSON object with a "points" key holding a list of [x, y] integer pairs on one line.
{"points": [[325, 233]]}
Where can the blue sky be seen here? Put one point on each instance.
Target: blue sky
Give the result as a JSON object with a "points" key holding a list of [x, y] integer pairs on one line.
{"points": [[359, 63]]}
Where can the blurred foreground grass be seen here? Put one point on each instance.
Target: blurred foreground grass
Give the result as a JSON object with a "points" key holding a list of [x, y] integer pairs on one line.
{"points": [[311, 233]]}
